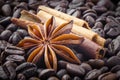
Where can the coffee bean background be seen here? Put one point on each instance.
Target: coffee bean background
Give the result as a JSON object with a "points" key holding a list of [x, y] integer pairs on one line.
{"points": [[103, 16]]}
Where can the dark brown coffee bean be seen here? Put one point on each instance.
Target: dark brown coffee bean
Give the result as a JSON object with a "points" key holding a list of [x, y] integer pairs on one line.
{"points": [[93, 74], [4, 21], [53, 3], [1, 3], [16, 58], [62, 64], [14, 50], [52, 78], [6, 9], [86, 66], [22, 5], [1, 29], [21, 77], [108, 76], [90, 20], [76, 70], [22, 32], [99, 10], [80, 56], [76, 3], [115, 68], [108, 41], [3, 75], [118, 54], [112, 61], [16, 13], [61, 72], [100, 31], [114, 46], [28, 69], [4, 44], [89, 11], [76, 78], [12, 27], [24, 66], [101, 19], [89, 4], [90, 14], [66, 77], [46, 73], [98, 25], [6, 34], [96, 63], [15, 38], [9, 68]]}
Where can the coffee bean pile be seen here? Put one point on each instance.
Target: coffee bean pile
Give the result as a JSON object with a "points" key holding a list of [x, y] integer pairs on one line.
{"points": [[102, 16]]}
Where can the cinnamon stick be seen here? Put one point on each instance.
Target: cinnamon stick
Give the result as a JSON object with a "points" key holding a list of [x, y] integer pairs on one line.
{"points": [[76, 29], [64, 16]]}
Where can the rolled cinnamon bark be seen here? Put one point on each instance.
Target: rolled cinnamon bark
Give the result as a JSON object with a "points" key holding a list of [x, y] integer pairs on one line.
{"points": [[91, 50], [76, 29], [64, 16]]}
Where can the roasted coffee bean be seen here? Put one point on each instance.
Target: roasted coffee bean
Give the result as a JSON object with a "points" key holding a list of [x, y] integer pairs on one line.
{"points": [[34, 78], [96, 63], [75, 70], [112, 29], [6, 9], [100, 31], [4, 44], [54, 3], [62, 64], [3, 75], [9, 68], [98, 25], [16, 13], [1, 29], [118, 74], [118, 54], [80, 56], [76, 78], [21, 77], [52, 78], [115, 68], [99, 9], [101, 19], [12, 27], [89, 11], [112, 61], [76, 3], [22, 5], [90, 14], [108, 41], [66, 77], [86, 66], [46, 73], [16, 58], [1, 3], [89, 4], [15, 38], [90, 20], [14, 50], [61, 72], [22, 32], [5, 34], [114, 46], [93, 74], [108, 76], [4, 21], [28, 69]]}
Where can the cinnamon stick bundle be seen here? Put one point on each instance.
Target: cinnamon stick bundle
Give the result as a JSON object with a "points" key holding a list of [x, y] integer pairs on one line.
{"points": [[90, 48], [80, 26]]}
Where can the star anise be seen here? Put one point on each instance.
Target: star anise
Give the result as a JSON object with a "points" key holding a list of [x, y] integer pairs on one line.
{"points": [[50, 40]]}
